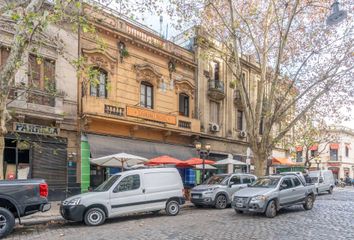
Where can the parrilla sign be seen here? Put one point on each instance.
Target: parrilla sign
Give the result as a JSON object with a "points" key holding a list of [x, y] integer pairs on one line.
{"points": [[36, 129], [151, 115]]}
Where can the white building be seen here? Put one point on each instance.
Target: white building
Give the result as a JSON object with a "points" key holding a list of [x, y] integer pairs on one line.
{"points": [[337, 156]]}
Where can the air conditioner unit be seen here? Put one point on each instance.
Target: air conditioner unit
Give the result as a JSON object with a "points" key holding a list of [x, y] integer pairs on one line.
{"points": [[242, 134], [214, 127]]}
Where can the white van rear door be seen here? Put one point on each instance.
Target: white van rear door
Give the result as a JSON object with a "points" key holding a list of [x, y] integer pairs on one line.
{"points": [[160, 186], [128, 196]]}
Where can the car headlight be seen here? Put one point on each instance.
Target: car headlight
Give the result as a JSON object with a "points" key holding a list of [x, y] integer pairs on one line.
{"points": [[75, 201], [260, 198], [210, 190]]}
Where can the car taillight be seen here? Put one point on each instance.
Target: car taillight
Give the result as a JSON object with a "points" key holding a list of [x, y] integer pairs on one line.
{"points": [[43, 190]]}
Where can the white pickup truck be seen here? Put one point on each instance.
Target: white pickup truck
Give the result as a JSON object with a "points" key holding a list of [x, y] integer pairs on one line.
{"points": [[271, 193]]}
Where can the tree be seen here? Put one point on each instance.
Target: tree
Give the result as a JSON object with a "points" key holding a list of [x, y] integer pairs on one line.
{"points": [[303, 64]]}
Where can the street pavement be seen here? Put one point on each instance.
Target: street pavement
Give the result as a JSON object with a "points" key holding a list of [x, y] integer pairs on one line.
{"points": [[331, 218]]}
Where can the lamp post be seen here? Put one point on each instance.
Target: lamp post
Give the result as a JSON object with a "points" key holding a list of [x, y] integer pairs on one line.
{"points": [[336, 15], [203, 153], [318, 162]]}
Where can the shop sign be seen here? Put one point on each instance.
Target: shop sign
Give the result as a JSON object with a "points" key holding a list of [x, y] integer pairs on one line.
{"points": [[36, 129], [333, 164], [151, 115]]}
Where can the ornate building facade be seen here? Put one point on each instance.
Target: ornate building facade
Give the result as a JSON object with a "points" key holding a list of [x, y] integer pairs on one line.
{"points": [[143, 98]]}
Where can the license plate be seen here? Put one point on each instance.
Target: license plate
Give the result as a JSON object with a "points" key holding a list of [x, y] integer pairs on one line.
{"points": [[239, 204], [195, 196]]}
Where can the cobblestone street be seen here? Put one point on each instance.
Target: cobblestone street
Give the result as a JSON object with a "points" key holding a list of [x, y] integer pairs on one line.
{"points": [[331, 218]]}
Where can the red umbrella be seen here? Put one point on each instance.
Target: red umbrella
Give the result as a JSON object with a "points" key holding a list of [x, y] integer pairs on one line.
{"points": [[196, 161], [163, 160]]}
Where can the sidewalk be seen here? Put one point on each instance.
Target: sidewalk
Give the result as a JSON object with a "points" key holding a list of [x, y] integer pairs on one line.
{"points": [[53, 215]]}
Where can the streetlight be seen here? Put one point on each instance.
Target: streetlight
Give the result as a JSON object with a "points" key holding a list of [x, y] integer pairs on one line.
{"points": [[203, 153], [318, 162], [336, 15]]}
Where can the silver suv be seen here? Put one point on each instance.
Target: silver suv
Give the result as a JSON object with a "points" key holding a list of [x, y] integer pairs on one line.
{"points": [[218, 189], [271, 193]]}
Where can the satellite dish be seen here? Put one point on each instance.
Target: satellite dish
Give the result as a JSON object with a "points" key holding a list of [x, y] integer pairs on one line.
{"points": [[336, 15]]}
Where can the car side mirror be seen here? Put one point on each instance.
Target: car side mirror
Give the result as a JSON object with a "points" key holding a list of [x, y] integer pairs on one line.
{"points": [[231, 183], [283, 186], [321, 180]]}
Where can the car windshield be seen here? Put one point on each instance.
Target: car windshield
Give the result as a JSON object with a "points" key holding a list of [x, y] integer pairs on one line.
{"points": [[106, 185], [217, 179], [267, 182]]}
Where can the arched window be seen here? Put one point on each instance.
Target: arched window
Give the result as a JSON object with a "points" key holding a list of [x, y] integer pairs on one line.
{"points": [[146, 95], [184, 104], [98, 86]]}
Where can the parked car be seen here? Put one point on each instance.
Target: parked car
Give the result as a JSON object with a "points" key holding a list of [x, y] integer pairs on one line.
{"points": [[299, 174], [134, 191], [20, 198], [218, 189], [271, 193], [323, 180]]}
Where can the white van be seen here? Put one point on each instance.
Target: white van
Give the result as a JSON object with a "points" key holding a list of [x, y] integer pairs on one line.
{"points": [[323, 180], [142, 190]]}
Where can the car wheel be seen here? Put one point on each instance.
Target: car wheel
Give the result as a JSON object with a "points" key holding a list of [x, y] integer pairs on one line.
{"points": [[7, 222], [94, 216], [330, 191], [308, 202], [172, 208], [238, 211], [271, 210], [221, 202]]}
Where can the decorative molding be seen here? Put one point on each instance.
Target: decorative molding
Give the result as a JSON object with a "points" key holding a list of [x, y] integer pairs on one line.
{"points": [[185, 87], [101, 59], [145, 72]]}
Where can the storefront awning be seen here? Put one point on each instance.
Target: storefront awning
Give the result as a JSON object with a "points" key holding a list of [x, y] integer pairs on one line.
{"points": [[106, 145], [314, 147], [282, 161], [298, 148], [334, 146]]}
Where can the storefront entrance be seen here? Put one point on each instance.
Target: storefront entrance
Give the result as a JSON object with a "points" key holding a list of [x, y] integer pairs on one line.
{"points": [[35, 156]]}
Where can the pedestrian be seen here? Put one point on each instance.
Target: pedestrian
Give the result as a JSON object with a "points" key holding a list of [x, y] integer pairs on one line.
{"points": [[306, 176]]}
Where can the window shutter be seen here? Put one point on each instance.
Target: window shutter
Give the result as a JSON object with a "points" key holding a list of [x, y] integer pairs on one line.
{"points": [[4, 55], [181, 104], [34, 71], [49, 74]]}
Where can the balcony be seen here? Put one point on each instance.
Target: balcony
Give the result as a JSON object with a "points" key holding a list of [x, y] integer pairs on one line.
{"points": [[37, 101], [136, 115], [216, 89]]}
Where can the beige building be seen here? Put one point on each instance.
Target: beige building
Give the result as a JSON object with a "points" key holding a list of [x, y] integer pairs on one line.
{"points": [[143, 99], [42, 140], [219, 106]]}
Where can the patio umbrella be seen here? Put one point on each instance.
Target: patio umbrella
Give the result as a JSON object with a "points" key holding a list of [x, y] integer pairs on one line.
{"points": [[207, 166], [197, 161], [163, 160], [228, 161], [118, 160]]}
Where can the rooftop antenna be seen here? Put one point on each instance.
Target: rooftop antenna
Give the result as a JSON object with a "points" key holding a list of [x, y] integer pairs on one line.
{"points": [[161, 21], [166, 31]]}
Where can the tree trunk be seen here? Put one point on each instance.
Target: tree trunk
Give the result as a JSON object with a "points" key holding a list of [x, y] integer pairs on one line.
{"points": [[260, 162]]}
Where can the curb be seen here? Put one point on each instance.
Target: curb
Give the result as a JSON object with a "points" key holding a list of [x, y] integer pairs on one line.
{"points": [[58, 218]]}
